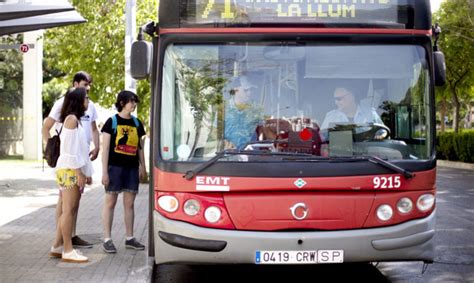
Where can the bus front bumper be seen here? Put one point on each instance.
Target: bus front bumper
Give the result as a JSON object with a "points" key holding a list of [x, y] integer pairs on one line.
{"points": [[180, 242]]}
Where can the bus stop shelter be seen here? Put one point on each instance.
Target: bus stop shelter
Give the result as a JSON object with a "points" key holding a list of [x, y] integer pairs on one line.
{"points": [[27, 15], [31, 17]]}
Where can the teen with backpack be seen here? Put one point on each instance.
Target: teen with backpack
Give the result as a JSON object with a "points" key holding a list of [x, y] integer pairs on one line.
{"points": [[73, 172], [123, 165]]}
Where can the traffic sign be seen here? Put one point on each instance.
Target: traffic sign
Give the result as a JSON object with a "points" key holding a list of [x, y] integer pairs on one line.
{"points": [[24, 48]]}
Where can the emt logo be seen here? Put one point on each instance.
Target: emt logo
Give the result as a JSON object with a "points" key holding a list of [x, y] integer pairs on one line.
{"points": [[208, 183]]}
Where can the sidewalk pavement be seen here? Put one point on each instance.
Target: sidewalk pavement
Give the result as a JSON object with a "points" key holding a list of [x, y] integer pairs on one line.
{"points": [[28, 197], [455, 164]]}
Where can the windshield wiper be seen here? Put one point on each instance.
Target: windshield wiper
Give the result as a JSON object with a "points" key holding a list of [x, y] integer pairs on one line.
{"points": [[192, 173], [294, 156], [384, 163], [374, 159]]}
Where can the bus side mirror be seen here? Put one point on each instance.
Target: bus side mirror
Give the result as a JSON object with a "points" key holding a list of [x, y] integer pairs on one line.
{"points": [[438, 58], [439, 68], [140, 59]]}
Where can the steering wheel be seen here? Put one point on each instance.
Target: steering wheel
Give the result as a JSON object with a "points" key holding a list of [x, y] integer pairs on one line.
{"points": [[361, 132], [371, 132]]}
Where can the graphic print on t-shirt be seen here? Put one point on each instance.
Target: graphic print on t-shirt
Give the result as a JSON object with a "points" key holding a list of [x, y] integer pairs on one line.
{"points": [[127, 140]]}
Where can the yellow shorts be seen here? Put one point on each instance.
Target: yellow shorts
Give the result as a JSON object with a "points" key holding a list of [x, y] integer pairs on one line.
{"points": [[66, 178]]}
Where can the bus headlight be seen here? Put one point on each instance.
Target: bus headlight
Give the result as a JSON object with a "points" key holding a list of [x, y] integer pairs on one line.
{"points": [[384, 212], [191, 207], [425, 202], [212, 214], [168, 203], [404, 205]]}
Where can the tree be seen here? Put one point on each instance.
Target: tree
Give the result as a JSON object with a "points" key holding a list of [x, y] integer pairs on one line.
{"points": [[457, 42], [98, 48], [203, 92], [11, 94], [443, 104]]}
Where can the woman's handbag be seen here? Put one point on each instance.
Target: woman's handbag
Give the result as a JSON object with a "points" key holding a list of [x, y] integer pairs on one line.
{"points": [[51, 152]]}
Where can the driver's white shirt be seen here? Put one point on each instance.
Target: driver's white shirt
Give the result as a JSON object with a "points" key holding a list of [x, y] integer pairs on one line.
{"points": [[367, 115]]}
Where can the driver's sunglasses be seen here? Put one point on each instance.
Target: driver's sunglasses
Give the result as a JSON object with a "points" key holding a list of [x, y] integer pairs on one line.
{"points": [[339, 98]]}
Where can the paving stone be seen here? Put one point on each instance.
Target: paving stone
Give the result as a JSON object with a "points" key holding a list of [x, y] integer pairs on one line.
{"points": [[25, 241]]}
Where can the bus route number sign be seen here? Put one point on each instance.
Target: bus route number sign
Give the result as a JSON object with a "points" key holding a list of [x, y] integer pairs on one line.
{"points": [[265, 11], [24, 48]]}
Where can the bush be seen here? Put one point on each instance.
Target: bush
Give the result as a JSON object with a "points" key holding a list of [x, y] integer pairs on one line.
{"points": [[456, 147]]}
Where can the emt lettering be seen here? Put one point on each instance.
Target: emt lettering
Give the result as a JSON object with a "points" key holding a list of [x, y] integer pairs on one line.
{"points": [[219, 181]]}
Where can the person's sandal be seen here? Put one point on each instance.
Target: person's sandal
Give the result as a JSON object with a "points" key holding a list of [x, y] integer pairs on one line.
{"points": [[74, 257]]}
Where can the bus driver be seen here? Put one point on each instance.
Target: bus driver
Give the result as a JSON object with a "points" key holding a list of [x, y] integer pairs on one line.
{"points": [[348, 111]]}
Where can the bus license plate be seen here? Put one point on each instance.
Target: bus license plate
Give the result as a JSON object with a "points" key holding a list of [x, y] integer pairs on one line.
{"points": [[299, 257]]}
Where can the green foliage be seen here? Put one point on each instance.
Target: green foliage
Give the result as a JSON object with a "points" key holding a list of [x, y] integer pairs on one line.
{"points": [[11, 95], [445, 146], [456, 146], [97, 47], [52, 91], [456, 18], [203, 91], [11, 76]]}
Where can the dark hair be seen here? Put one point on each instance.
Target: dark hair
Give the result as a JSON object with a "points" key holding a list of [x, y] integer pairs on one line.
{"points": [[81, 76], [124, 97], [73, 103]]}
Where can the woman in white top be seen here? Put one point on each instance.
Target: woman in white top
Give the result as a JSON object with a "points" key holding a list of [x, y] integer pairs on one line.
{"points": [[73, 171]]}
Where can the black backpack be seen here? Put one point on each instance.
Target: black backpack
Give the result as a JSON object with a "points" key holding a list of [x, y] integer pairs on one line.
{"points": [[51, 152]]}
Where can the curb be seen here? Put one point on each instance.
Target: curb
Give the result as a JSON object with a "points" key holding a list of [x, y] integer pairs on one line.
{"points": [[454, 164]]}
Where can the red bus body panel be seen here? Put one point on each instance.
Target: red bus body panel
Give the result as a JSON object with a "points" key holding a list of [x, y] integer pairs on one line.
{"points": [[271, 211], [333, 203], [174, 182]]}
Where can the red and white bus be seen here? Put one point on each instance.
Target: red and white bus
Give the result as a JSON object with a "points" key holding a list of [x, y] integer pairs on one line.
{"points": [[329, 157]]}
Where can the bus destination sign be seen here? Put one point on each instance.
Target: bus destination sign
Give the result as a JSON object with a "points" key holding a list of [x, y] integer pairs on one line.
{"points": [[292, 11]]}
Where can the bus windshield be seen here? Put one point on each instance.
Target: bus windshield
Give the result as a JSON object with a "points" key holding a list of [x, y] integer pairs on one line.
{"points": [[326, 100]]}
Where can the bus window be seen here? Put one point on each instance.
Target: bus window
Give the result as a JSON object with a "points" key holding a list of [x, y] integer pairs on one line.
{"points": [[295, 90]]}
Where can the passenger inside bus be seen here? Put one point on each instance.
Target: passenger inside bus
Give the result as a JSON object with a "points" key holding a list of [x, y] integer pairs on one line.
{"points": [[242, 116]]}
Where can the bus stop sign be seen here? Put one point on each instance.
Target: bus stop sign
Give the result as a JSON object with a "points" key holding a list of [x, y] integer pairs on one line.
{"points": [[24, 48]]}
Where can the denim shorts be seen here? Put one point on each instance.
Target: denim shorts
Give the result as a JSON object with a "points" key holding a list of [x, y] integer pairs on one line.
{"points": [[122, 179]]}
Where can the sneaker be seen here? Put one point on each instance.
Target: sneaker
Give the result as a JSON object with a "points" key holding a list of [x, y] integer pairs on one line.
{"points": [[74, 257], [56, 252], [80, 243], [134, 244], [109, 247]]}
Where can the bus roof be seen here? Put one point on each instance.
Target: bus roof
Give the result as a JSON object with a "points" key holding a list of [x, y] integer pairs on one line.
{"points": [[391, 14]]}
